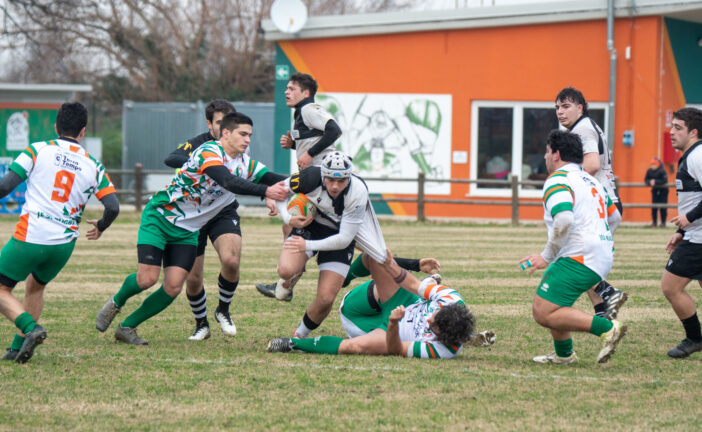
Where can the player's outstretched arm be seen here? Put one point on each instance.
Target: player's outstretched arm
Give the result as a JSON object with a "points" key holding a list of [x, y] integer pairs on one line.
{"points": [[241, 186], [109, 214], [9, 182]]}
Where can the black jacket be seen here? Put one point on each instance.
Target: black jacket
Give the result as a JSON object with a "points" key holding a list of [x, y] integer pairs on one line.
{"points": [[660, 177]]}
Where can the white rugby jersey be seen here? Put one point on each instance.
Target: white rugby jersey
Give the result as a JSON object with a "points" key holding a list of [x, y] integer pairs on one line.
{"points": [[192, 198], [590, 134], [590, 240], [314, 117], [687, 185], [60, 177], [357, 211], [414, 328]]}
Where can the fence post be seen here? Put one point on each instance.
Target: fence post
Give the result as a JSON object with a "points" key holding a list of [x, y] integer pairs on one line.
{"points": [[420, 196], [515, 199], [138, 185]]}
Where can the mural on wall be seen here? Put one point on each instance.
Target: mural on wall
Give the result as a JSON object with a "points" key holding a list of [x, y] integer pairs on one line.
{"points": [[395, 136], [17, 131]]}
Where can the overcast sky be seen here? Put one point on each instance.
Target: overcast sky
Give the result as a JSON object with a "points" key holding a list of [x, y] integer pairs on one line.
{"points": [[451, 4]]}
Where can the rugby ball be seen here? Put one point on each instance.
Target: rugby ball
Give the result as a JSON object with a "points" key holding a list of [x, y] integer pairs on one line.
{"points": [[300, 205]]}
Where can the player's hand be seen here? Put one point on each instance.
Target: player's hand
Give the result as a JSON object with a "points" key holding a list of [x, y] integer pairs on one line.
{"points": [[389, 259], [536, 261], [680, 221], [397, 314], [304, 161], [429, 265], [286, 141], [273, 209], [673, 242], [295, 244], [94, 232], [277, 192], [300, 221]]}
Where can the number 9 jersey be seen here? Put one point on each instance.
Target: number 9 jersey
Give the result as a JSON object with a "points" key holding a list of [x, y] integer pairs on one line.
{"points": [[590, 241], [60, 177]]}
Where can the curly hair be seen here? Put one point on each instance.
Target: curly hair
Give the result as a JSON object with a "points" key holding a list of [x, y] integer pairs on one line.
{"points": [[568, 144], [455, 323]]}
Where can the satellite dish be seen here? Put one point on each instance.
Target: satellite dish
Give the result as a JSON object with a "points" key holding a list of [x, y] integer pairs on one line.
{"points": [[288, 15]]}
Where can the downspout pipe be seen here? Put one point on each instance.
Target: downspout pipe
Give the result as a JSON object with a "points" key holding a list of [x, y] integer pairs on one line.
{"points": [[612, 73]]}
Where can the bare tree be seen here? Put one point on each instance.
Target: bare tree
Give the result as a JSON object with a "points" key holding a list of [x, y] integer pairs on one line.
{"points": [[155, 50]]}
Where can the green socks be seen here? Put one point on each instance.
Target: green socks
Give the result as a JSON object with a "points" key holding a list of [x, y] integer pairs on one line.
{"points": [[129, 289], [319, 345], [152, 305], [563, 348], [25, 323], [17, 342], [600, 325], [356, 270]]}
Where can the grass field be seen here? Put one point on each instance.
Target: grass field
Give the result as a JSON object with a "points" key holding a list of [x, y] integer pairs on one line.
{"points": [[81, 379]]}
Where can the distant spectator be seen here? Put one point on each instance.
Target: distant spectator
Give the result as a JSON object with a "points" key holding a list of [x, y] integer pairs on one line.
{"points": [[498, 167], [656, 177]]}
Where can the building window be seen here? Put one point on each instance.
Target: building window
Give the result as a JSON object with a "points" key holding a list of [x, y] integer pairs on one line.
{"points": [[510, 138]]}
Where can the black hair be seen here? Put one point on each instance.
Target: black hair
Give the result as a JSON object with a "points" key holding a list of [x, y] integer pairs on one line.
{"points": [[455, 324], [306, 82], [71, 119], [218, 105], [692, 118], [567, 144], [232, 121], [573, 95]]}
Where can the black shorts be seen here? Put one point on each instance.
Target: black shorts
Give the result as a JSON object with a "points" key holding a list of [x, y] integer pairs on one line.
{"points": [[225, 222], [686, 260], [317, 231]]}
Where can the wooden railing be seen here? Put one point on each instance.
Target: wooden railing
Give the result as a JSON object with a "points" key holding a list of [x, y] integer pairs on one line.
{"points": [[137, 193]]}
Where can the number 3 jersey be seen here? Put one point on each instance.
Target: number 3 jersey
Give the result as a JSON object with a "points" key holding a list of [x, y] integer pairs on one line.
{"points": [[60, 177], [590, 240]]}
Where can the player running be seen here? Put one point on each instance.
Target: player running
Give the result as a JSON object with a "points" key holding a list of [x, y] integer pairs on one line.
{"points": [[223, 230], [580, 218], [61, 176], [169, 226]]}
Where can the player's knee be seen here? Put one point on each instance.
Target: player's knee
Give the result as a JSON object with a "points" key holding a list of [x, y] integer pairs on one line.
{"points": [[147, 280], [351, 346], [173, 290], [231, 264], [539, 316], [286, 271]]}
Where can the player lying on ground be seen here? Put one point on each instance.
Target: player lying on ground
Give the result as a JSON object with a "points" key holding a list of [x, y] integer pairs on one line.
{"points": [[424, 320]]}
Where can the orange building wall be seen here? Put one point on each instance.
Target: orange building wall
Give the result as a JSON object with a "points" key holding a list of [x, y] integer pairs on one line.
{"points": [[523, 63]]}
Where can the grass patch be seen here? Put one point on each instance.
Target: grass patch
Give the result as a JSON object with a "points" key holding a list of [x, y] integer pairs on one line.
{"points": [[81, 379]]}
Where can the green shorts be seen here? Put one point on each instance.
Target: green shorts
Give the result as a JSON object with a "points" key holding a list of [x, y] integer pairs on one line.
{"points": [[156, 231], [19, 259], [357, 310], [565, 280]]}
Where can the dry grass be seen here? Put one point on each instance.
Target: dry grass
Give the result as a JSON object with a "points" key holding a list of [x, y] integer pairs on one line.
{"points": [[81, 380]]}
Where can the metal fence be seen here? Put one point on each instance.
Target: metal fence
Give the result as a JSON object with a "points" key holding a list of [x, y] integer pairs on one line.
{"points": [[139, 193]]}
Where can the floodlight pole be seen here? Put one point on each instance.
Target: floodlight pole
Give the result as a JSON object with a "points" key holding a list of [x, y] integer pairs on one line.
{"points": [[612, 73]]}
